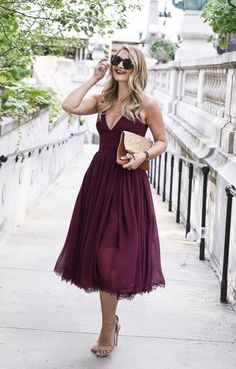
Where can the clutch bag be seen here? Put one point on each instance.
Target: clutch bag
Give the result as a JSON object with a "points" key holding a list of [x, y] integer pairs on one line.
{"points": [[132, 143]]}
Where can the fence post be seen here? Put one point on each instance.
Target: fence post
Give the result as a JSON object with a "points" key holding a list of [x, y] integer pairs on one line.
{"points": [[151, 170], [205, 171], [224, 282], [3, 159], [171, 181], [179, 191], [155, 170], [190, 177], [164, 179], [159, 175]]}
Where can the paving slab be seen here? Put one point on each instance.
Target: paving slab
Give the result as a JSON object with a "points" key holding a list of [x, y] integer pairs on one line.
{"points": [[46, 323]]}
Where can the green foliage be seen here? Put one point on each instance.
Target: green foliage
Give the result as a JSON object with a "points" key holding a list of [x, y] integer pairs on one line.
{"points": [[58, 46], [14, 73], [19, 99], [163, 50], [26, 25], [81, 120], [221, 16], [55, 109]]}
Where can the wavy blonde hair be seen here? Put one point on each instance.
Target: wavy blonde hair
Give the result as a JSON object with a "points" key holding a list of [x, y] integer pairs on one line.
{"points": [[137, 82]]}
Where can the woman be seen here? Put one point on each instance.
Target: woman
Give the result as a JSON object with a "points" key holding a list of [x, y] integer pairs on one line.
{"points": [[112, 244]]}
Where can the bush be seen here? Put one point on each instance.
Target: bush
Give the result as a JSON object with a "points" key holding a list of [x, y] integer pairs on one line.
{"points": [[18, 99], [15, 73], [163, 50]]}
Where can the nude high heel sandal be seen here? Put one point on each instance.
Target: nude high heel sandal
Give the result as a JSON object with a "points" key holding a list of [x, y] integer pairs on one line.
{"points": [[102, 350]]}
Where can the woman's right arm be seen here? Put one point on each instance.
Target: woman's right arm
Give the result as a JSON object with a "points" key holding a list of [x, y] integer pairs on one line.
{"points": [[75, 103]]}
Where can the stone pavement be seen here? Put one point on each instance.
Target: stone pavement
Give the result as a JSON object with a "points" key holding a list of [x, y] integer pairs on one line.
{"points": [[49, 324]]}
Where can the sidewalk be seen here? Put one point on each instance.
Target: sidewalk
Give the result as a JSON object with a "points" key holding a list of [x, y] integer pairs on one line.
{"points": [[49, 324]]}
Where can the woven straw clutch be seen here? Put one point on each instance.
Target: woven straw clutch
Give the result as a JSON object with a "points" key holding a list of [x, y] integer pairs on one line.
{"points": [[132, 143]]}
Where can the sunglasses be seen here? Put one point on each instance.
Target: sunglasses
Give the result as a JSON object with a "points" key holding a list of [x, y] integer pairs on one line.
{"points": [[116, 60]]}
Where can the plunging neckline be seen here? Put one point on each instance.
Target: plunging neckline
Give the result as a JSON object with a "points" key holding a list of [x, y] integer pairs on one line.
{"points": [[122, 116], [111, 129]]}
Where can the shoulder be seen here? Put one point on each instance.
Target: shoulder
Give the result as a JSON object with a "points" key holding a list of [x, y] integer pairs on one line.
{"points": [[149, 102], [150, 109], [99, 98]]}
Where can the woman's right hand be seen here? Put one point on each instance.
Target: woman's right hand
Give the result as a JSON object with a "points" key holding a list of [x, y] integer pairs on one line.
{"points": [[101, 69]]}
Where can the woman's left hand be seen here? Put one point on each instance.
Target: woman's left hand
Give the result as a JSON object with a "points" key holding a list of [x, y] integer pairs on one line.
{"points": [[135, 160]]}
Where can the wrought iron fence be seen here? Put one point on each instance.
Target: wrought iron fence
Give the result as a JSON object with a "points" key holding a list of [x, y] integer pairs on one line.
{"points": [[155, 179], [230, 191], [22, 154], [157, 166]]}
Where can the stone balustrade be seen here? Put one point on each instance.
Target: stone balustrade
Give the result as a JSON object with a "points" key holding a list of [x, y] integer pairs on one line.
{"points": [[190, 86], [198, 100]]}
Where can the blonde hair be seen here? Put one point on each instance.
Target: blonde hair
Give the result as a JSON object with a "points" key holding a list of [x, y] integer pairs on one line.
{"points": [[137, 82]]}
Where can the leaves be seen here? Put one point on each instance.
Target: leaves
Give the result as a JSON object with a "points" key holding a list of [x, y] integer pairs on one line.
{"points": [[221, 16], [15, 73], [28, 27], [232, 2], [2, 79], [223, 42], [19, 99], [163, 49], [25, 25]]}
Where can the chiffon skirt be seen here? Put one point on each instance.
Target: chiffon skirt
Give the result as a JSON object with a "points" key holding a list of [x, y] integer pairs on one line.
{"points": [[112, 242]]}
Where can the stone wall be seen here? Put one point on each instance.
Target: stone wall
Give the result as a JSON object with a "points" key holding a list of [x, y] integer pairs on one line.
{"points": [[24, 180], [198, 100]]}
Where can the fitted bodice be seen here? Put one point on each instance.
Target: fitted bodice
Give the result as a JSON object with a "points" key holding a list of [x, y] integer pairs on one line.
{"points": [[109, 138]]}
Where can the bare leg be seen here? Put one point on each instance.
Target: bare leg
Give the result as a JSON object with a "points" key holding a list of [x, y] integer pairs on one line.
{"points": [[108, 306], [106, 339]]}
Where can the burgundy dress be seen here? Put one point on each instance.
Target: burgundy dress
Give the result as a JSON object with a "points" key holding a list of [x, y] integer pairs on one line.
{"points": [[112, 242]]}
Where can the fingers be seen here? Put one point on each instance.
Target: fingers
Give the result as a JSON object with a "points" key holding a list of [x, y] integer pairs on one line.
{"points": [[101, 70], [128, 156], [131, 164], [129, 167], [106, 65], [103, 64], [135, 160]]}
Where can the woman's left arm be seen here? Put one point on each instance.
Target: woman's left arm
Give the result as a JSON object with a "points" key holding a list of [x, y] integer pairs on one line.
{"points": [[155, 122]]}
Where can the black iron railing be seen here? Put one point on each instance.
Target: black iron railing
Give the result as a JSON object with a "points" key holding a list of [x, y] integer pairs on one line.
{"points": [[153, 172], [230, 191], [23, 154]]}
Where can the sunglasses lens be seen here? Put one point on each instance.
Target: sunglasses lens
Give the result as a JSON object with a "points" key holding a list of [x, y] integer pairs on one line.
{"points": [[116, 59], [127, 64]]}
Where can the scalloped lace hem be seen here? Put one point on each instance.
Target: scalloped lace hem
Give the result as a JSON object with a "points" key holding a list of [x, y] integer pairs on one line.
{"points": [[120, 294]]}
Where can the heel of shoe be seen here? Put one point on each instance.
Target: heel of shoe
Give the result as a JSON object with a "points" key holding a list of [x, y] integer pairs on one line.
{"points": [[117, 330], [117, 334]]}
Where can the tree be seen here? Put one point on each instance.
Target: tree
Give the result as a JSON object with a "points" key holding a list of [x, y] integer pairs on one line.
{"points": [[221, 16], [25, 25]]}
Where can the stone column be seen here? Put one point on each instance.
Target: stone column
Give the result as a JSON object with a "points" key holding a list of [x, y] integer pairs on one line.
{"points": [[151, 25], [194, 34]]}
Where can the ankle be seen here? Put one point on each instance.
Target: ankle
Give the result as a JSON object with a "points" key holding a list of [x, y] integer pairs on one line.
{"points": [[109, 322], [107, 327]]}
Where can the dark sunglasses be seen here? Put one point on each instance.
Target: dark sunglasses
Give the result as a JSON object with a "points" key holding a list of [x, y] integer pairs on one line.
{"points": [[116, 60]]}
